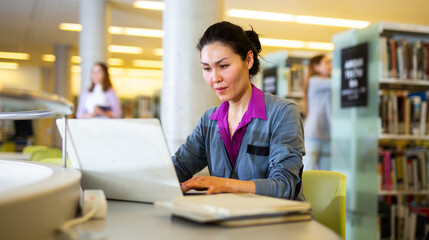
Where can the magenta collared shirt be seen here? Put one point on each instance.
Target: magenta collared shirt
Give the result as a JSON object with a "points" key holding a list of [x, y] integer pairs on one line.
{"points": [[256, 109]]}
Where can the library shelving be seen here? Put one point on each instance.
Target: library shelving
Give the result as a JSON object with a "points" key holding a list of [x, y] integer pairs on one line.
{"points": [[359, 128]]}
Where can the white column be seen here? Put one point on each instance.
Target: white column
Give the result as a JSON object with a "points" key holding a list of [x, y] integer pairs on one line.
{"points": [[185, 96], [94, 37], [62, 75]]}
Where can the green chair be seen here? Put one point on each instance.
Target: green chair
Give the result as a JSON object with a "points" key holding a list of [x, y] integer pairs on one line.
{"points": [[326, 192], [45, 153], [32, 148], [8, 147], [56, 160]]}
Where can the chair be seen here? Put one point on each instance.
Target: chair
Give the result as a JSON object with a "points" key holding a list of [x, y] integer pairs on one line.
{"points": [[32, 148], [8, 147], [45, 153], [56, 160], [326, 192]]}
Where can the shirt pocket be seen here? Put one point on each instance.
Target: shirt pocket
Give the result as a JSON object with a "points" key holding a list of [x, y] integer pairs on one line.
{"points": [[258, 150]]}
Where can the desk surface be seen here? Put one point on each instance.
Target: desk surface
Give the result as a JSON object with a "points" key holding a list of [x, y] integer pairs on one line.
{"points": [[14, 156], [129, 220]]}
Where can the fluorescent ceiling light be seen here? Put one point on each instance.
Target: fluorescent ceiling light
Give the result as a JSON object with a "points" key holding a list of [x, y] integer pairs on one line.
{"points": [[270, 16], [135, 72], [14, 55], [335, 22], [160, 6], [271, 42], [144, 32], [125, 49], [320, 46], [76, 59], [76, 69], [8, 65], [115, 61], [158, 51], [281, 43], [48, 58], [75, 27], [282, 17], [147, 63]]}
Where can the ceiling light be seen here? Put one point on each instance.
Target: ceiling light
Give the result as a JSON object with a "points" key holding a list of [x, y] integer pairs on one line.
{"points": [[160, 6], [135, 72], [76, 27], [336, 22], [76, 59], [48, 58], [76, 69], [8, 65], [158, 51], [282, 17], [320, 46], [144, 32], [281, 43], [270, 16], [125, 49], [147, 63], [270, 42], [14, 55], [115, 61]]}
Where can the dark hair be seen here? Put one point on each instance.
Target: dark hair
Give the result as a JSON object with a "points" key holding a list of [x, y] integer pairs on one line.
{"points": [[106, 81], [235, 37]]}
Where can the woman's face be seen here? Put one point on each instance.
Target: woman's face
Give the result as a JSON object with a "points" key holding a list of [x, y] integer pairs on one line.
{"points": [[97, 74], [225, 72], [324, 67]]}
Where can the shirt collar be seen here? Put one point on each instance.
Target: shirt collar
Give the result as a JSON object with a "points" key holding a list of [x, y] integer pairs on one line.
{"points": [[256, 108]]}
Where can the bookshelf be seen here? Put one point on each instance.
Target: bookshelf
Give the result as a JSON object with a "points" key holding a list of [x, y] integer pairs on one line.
{"points": [[357, 131]]}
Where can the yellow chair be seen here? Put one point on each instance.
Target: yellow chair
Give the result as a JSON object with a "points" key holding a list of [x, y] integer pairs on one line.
{"points": [[32, 148], [56, 160], [45, 153], [326, 192], [8, 147]]}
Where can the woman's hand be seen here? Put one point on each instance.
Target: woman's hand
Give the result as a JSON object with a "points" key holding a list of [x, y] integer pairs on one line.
{"points": [[218, 185]]}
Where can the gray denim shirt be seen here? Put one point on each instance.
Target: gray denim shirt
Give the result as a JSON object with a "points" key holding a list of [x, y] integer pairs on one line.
{"points": [[270, 154]]}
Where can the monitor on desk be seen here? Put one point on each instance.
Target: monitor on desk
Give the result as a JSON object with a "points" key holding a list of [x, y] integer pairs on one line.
{"points": [[127, 158]]}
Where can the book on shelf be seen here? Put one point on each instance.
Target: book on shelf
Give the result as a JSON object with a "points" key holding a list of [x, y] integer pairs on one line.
{"points": [[404, 170], [404, 58], [403, 221], [403, 113]]}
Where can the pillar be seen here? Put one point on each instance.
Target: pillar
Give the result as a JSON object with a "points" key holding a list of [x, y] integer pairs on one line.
{"points": [[94, 37], [185, 96]]}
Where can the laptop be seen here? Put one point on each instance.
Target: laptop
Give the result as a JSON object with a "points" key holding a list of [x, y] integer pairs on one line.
{"points": [[127, 158]]}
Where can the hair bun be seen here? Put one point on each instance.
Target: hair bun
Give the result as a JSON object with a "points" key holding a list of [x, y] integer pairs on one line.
{"points": [[254, 38]]}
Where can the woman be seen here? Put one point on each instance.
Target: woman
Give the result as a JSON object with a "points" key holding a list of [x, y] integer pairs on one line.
{"points": [[253, 142], [317, 97], [100, 100]]}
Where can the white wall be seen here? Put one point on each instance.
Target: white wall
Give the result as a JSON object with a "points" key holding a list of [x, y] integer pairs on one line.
{"points": [[23, 77]]}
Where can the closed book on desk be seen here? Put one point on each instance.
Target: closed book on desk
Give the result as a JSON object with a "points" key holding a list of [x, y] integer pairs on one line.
{"points": [[238, 209]]}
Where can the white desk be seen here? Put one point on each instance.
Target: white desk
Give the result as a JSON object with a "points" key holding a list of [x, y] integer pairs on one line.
{"points": [[14, 156], [129, 220]]}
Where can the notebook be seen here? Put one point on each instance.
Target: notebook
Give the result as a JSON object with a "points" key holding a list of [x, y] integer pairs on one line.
{"points": [[127, 158], [237, 209]]}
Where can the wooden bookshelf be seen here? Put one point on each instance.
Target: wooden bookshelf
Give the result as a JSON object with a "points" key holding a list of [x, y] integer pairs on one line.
{"points": [[405, 193], [403, 137], [404, 84]]}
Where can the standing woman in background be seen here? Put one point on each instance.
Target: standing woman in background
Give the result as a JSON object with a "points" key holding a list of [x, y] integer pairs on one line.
{"points": [[100, 100], [317, 111]]}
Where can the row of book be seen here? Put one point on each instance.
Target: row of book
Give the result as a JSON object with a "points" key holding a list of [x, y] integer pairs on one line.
{"points": [[403, 170], [403, 221], [403, 113], [405, 58]]}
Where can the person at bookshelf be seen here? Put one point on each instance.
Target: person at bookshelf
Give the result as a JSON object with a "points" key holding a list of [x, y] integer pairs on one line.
{"points": [[100, 100], [254, 141], [317, 111]]}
